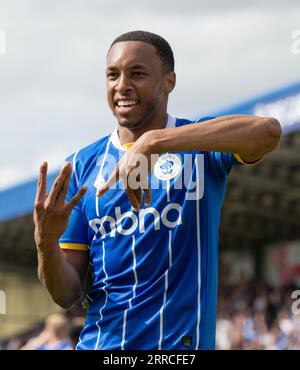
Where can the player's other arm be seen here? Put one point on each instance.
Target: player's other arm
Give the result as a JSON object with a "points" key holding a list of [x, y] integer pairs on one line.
{"points": [[249, 136], [61, 272]]}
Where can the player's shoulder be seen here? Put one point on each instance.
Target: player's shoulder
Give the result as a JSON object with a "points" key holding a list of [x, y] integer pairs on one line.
{"points": [[184, 121], [84, 159], [90, 151]]}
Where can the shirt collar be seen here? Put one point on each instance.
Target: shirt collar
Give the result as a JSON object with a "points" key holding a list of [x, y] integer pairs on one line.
{"points": [[114, 138]]}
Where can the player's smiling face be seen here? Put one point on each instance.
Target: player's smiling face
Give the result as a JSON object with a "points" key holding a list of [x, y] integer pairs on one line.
{"points": [[137, 85]]}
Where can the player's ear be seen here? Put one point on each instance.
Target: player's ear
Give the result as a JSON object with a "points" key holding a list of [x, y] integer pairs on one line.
{"points": [[170, 81]]}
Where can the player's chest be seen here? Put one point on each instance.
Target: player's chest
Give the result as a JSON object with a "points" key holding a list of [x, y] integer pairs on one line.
{"points": [[175, 179]]}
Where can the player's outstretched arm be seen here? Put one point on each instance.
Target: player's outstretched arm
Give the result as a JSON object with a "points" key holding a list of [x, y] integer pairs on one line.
{"points": [[59, 272], [247, 135]]}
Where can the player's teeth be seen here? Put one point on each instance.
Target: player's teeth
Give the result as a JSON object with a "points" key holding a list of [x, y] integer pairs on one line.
{"points": [[126, 103]]}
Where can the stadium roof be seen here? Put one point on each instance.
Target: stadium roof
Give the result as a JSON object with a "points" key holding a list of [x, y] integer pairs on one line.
{"points": [[284, 104], [262, 204]]}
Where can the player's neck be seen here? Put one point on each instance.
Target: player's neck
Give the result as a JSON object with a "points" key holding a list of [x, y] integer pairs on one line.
{"points": [[127, 135]]}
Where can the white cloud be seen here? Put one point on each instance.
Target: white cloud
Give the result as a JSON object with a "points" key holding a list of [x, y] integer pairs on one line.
{"points": [[52, 88]]}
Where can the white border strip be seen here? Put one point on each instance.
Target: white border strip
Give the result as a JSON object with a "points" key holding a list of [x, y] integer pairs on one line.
{"points": [[106, 293], [165, 293], [199, 251], [100, 173], [168, 190], [103, 253], [74, 168], [133, 293]]}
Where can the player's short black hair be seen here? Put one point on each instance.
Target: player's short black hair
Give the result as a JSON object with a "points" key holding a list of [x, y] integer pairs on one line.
{"points": [[162, 47]]}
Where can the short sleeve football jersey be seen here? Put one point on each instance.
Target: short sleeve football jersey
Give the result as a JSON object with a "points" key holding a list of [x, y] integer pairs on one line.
{"points": [[156, 270]]}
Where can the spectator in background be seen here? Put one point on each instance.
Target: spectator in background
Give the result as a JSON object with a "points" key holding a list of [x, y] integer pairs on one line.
{"points": [[75, 330], [55, 336], [14, 344], [251, 316], [256, 316]]}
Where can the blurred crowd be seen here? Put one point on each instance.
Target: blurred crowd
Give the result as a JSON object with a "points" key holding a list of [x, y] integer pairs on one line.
{"points": [[256, 316], [60, 331], [250, 316]]}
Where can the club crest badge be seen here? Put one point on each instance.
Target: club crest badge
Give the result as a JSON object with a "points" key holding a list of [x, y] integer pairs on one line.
{"points": [[168, 166]]}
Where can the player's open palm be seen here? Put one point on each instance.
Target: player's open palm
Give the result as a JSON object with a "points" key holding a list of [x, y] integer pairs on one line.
{"points": [[52, 212]]}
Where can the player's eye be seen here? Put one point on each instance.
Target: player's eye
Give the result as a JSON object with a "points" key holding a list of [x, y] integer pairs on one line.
{"points": [[111, 75], [138, 74]]}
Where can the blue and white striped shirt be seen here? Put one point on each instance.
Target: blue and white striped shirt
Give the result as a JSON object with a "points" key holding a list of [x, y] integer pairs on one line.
{"points": [[155, 271]]}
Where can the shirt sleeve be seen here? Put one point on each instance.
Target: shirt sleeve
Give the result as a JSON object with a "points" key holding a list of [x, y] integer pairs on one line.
{"points": [[75, 236], [239, 159], [221, 163]]}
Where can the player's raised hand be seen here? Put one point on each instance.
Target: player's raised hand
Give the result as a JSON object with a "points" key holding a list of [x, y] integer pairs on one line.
{"points": [[51, 213], [133, 169]]}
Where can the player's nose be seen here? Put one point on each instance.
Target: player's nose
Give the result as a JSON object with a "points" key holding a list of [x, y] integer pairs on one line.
{"points": [[123, 84]]}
